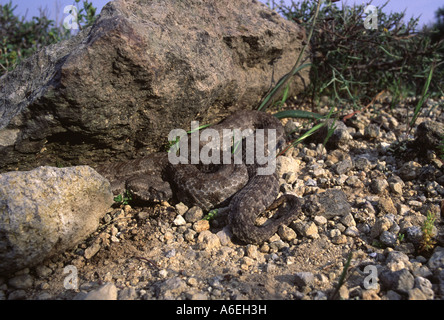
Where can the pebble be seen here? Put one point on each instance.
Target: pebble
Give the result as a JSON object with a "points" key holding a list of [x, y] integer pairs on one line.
{"points": [[23, 281], [286, 233], [194, 214], [92, 250], [208, 240], [107, 291], [201, 225], [437, 259], [179, 221], [303, 279], [401, 281]]}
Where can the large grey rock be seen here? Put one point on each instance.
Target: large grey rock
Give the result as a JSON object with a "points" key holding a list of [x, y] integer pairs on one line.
{"points": [[47, 211], [145, 67]]}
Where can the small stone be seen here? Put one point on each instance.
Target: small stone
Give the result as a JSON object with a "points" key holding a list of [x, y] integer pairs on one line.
{"points": [[372, 131], [286, 233], [181, 208], [388, 238], [409, 170], [381, 224], [437, 259], [208, 240], [199, 296], [17, 295], [370, 294], [352, 231], [106, 292], [128, 293], [386, 205], [341, 239], [179, 221], [224, 236], [425, 286], [303, 279], [379, 185], [401, 280], [92, 250], [320, 220], [163, 273], [23, 281], [344, 166], [348, 220], [354, 182], [396, 187], [201, 225], [416, 294], [194, 214], [189, 235], [393, 295], [43, 271], [251, 251], [363, 164]]}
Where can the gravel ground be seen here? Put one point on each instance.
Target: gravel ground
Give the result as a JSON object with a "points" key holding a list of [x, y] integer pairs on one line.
{"points": [[367, 198]]}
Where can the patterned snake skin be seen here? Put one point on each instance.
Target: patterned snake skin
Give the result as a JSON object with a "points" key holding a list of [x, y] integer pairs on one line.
{"points": [[247, 194]]}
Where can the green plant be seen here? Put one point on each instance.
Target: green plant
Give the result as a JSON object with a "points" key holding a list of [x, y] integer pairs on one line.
{"points": [[427, 242], [211, 214], [123, 198]]}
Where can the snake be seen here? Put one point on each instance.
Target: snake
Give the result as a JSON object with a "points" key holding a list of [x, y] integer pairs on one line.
{"points": [[237, 186]]}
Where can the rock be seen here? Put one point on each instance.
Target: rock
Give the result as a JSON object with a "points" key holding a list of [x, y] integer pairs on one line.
{"points": [[107, 291], [201, 225], [171, 288], [286, 233], [47, 211], [409, 170], [362, 163], [388, 239], [425, 287], [286, 165], [128, 293], [142, 69], [382, 224], [179, 221], [437, 259], [208, 240], [429, 135], [92, 250], [339, 137], [401, 280], [372, 131], [193, 214], [225, 235], [331, 203], [23, 281], [181, 208], [344, 166], [379, 185], [303, 279], [348, 220]]}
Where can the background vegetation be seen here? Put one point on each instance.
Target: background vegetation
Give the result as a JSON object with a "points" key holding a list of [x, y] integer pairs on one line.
{"points": [[352, 63], [20, 38]]}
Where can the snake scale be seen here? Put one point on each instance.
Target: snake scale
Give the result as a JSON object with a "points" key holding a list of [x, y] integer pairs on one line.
{"points": [[238, 186]]}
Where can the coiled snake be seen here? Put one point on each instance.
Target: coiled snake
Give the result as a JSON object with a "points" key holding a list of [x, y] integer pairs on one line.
{"points": [[240, 186]]}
